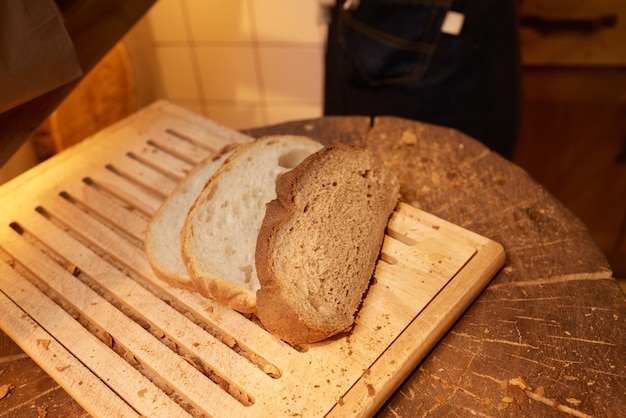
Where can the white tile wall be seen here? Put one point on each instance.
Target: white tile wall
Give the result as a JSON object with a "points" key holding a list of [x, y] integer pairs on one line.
{"points": [[243, 63], [176, 72]]}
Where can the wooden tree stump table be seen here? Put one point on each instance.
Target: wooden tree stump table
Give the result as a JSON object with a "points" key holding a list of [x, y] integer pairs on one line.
{"points": [[547, 337]]}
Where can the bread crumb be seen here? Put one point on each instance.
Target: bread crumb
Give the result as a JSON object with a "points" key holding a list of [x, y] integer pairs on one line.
{"points": [[518, 392], [407, 138], [44, 343], [42, 411], [520, 382], [573, 401], [73, 269], [229, 341], [5, 390]]}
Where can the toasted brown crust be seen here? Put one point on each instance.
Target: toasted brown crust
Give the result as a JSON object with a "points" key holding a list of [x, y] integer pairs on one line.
{"points": [[277, 313], [280, 319]]}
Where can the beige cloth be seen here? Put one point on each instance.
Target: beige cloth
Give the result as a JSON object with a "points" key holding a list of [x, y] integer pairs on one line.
{"points": [[36, 53]]}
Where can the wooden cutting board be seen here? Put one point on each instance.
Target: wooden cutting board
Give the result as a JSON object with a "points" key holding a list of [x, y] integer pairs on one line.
{"points": [[78, 295]]}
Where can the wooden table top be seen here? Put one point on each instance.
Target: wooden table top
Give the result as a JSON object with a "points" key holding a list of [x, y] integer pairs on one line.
{"points": [[546, 337]]}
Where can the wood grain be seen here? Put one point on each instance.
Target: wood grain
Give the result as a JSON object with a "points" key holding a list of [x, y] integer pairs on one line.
{"points": [[545, 338], [553, 316], [74, 272]]}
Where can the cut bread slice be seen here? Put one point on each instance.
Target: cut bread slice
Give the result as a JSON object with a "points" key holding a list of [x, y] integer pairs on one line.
{"points": [[220, 231], [319, 242], [162, 242]]}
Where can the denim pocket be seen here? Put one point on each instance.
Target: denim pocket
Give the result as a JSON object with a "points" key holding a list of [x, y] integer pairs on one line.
{"points": [[392, 41]]}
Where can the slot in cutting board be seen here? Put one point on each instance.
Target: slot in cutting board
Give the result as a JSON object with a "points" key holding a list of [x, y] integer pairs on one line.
{"points": [[79, 296]]}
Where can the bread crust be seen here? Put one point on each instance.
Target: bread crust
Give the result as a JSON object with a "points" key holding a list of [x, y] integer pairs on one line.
{"points": [[276, 311], [230, 295], [217, 288], [169, 273], [278, 315], [210, 283]]}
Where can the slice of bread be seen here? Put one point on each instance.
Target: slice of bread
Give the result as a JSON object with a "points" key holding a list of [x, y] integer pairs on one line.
{"points": [[162, 242], [319, 242], [220, 231]]}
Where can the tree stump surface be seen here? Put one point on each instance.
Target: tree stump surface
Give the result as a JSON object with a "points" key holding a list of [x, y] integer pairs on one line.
{"points": [[547, 337]]}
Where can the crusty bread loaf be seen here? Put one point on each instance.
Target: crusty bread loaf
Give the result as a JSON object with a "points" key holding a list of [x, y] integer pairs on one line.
{"points": [[319, 242], [220, 231], [162, 242]]}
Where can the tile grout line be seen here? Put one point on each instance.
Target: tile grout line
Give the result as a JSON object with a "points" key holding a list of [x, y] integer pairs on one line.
{"points": [[257, 62], [236, 44], [190, 43]]}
